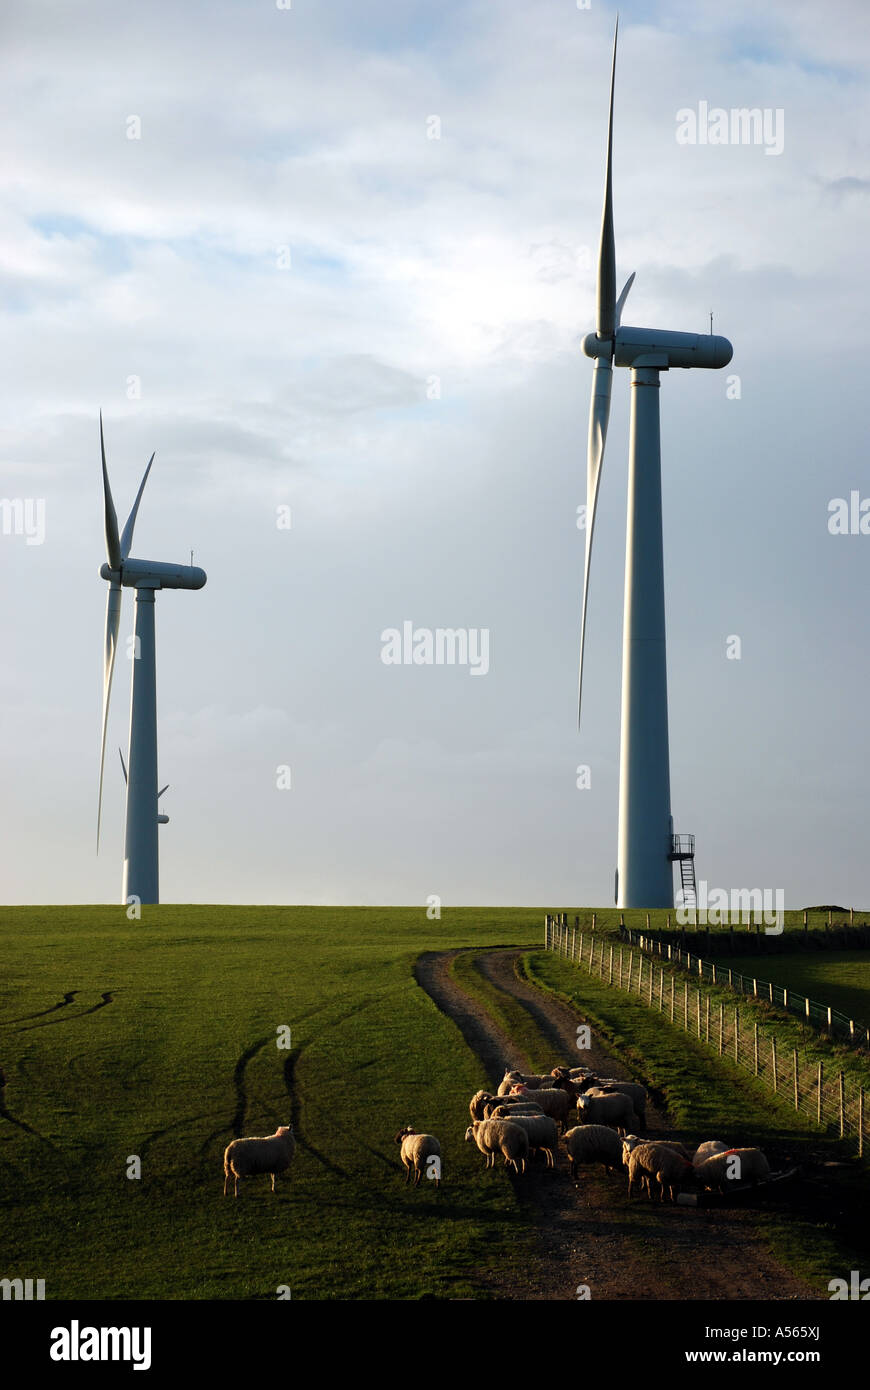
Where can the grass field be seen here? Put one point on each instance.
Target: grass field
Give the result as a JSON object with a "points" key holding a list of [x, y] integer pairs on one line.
{"points": [[838, 978], [185, 1055]]}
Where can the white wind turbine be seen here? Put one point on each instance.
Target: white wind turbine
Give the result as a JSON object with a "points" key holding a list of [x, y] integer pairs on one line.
{"points": [[646, 847], [140, 879]]}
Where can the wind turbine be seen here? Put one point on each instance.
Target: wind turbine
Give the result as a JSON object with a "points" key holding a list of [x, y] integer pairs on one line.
{"points": [[140, 879], [646, 849]]}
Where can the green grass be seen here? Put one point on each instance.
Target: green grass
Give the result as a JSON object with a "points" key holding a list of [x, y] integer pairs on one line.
{"points": [[838, 978], [708, 1097], [198, 996], [506, 1011]]}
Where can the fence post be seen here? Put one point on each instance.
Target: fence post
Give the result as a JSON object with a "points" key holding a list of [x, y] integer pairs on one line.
{"points": [[861, 1122], [851, 1030], [581, 948], [819, 1114], [661, 991], [796, 1091], [574, 943], [755, 988], [630, 968], [651, 977], [721, 1029], [807, 1003], [785, 998], [707, 1020], [673, 991], [622, 919], [714, 972], [829, 1018], [773, 1063], [736, 1035], [591, 951], [842, 1098], [755, 1046], [610, 975], [698, 1003], [669, 921], [620, 967], [686, 1006], [594, 918]]}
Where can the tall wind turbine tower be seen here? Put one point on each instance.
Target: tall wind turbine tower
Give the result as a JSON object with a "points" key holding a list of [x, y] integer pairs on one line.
{"points": [[145, 577], [647, 847]]}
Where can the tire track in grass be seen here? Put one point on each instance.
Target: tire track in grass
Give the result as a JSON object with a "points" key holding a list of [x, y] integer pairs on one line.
{"points": [[587, 1232], [22, 1018], [106, 998]]}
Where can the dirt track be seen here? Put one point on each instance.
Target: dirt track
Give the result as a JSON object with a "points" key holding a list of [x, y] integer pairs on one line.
{"points": [[587, 1234]]}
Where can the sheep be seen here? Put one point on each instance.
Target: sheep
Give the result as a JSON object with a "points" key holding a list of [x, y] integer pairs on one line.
{"points": [[733, 1165], [477, 1102], [571, 1073], [416, 1152], [631, 1141], [516, 1078], [657, 1161], [555, 1103], [495, 1109], [542, 1131], [614, 1110], [244, 1157], [593, 1144], [708, 1149], [633, 1089], [500, 1136]]}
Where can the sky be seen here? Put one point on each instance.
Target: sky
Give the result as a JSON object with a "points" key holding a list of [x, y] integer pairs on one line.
{"points": [[339, 259]]}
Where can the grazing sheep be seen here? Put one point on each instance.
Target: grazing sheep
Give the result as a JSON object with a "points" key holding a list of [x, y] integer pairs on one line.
{"points": [[708, 1149], [553, 1102], [542, 1131], [245, 1157], [614, 1110], [500, 1136], [734, 1165], [518, 1078], [417, 1150], [660, 1162], [593, 1144]]}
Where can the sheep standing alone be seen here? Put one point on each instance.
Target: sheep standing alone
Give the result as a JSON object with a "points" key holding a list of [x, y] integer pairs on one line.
{"points": [[245, 1157], [416, 1152]]}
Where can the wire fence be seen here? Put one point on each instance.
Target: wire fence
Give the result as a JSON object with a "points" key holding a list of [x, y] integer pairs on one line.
{"points": [[830, 1098], [823, 1016]]}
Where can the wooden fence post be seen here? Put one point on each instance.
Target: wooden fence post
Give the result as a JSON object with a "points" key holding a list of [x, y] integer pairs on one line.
{"points": [[819, 1115], [698, 1003], [673, 992], [736, 1035], [686, 1006], [842, 1098], [707, 1019], [773, 1063], [661, 991], [630, 968], [721, 1029], [755, 1046], [581, 948], [796, 1092], [594, 918]]}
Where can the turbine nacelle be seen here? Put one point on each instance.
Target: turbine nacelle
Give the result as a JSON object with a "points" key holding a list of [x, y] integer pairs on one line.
{"points": [[154, 574], [653, 347]]}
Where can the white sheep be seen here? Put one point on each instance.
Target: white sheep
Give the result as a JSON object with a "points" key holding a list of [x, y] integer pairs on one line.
{"points": [[553, 1102], [540, 1128], [708, 1149], [500, 1136], [661, 1162], [615, 1110], [593, 1144], [631, 1141], [418, 1152], [518, 1078], [515, 1104], [477, 1102], [245, 1157], [633, 1089], [733, 1165]]}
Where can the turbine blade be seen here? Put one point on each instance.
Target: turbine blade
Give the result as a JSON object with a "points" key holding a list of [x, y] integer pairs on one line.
{"points": [[113, 545], [606, 305], [123, 766], [620, 303], [113, 621], [127, 537], [162, 790], [599, 414]]}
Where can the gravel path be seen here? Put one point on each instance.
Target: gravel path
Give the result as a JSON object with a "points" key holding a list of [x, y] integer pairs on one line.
{"points": [[583, 1237]]}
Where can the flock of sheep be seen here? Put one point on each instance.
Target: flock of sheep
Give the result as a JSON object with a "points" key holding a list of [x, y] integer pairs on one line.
{"points": [[529, 1115]]}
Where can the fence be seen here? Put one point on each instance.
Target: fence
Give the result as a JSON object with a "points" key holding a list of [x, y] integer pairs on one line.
{"points": [[834, 1101], [837, 1024]]}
